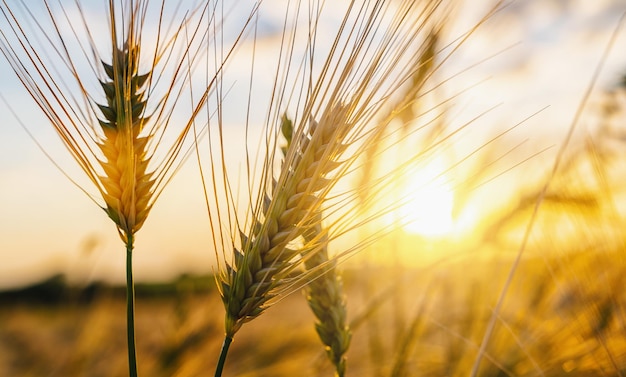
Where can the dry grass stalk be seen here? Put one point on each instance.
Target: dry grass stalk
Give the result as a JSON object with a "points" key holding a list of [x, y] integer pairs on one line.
{"points": [[559, 159]]}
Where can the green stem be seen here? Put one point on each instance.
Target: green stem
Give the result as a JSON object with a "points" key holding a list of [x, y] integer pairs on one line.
{"points": [[220, 363], [130, 309]]}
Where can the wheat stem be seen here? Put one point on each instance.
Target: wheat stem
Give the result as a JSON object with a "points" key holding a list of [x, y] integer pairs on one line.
{"points": [[130, 309], [223, 353]]}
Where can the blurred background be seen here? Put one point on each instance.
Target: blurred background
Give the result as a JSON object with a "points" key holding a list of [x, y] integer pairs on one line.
{"points": [[420, 299]]}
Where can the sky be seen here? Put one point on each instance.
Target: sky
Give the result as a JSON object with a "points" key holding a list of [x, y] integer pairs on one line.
{"points": [[545, 52]]}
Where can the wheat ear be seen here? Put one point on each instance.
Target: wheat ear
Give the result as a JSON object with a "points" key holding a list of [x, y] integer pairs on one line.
{"points": [[266, 259], [369, 60], [324, 293], [118, 141], [326, 299], [127, 185]]}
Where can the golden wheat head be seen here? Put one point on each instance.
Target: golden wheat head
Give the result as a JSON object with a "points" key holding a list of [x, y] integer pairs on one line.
{"points": [[113, 111], [336, 120], [266, 258], [126, 183]]}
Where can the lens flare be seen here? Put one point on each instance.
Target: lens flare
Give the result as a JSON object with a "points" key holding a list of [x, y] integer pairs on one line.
{"points": [[428, 206]]}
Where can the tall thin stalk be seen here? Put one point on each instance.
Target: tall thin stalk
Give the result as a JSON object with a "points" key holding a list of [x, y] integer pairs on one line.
{"points": [[223, 353], [130, 309]]}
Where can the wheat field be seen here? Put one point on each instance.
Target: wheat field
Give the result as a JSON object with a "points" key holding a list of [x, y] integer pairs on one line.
{"points": [[367, 212]]}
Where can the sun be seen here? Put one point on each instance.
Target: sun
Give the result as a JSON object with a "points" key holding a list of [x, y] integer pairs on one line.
{"points": [[428, 204]]}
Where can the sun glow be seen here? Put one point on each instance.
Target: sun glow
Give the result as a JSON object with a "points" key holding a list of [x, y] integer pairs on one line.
{"points": [[429, 202]]}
